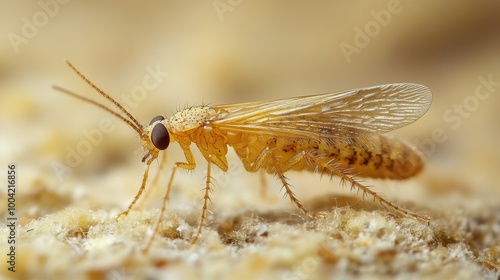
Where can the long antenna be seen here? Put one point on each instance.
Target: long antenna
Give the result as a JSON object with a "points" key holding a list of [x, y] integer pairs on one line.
{"points": [[138, 125], [138, 129]]}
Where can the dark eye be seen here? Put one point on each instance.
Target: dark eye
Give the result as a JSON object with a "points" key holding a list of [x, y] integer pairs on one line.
{"points": [[157, 118], [160, 137]]}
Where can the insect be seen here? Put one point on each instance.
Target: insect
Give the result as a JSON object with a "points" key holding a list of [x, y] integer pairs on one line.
{"points": [[339, 134]]}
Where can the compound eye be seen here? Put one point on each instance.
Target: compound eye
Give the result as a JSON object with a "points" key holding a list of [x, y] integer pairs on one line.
{"points": [[159, 136], [157, 118]]}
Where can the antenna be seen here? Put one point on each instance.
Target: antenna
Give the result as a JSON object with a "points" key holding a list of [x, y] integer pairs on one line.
{"points": [[58, 88], [132, 122]]}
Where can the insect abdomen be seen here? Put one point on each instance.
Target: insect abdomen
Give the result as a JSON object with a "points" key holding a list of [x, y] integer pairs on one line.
{"points": [[385, 157], [382, 157]]}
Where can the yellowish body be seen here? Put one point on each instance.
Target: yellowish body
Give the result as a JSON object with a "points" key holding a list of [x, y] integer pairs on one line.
{"points": [[379, 156], [339, 134], [385, 158]]}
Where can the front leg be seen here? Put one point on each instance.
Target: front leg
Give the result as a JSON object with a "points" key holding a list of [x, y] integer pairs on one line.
{"points": [[141, 189], [189, 165], [149, 192]]}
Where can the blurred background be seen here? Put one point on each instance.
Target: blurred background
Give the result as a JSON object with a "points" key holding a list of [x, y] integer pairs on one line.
{"points": [[160, 56]]}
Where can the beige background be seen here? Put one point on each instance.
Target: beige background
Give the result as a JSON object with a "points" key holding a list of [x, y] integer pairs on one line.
{"points": [[234, 51]]}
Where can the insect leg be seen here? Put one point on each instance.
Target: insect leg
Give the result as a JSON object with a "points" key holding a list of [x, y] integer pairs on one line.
{"points": [[189, 165], [280, 169], [263, 183], [150, 191], [206, 198], [143, 186], [257, 164], [365, 189]]}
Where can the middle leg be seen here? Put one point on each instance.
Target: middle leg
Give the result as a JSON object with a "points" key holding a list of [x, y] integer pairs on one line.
{"points": [[262, 160], [280, 169]]}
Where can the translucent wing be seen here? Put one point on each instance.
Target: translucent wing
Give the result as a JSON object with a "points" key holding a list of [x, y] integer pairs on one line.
{"points": [[348, 114]]}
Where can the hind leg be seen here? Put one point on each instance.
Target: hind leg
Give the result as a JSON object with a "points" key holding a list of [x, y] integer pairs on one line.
{"points": [[344, 175]]}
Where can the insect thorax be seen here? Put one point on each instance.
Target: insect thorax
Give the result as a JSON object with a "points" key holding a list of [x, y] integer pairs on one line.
{"points": [[191, 118]]}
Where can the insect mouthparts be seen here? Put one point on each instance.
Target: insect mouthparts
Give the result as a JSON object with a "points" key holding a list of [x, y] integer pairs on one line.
{"points": [[145, 157]]}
